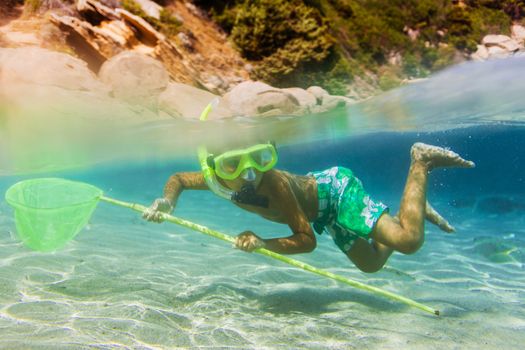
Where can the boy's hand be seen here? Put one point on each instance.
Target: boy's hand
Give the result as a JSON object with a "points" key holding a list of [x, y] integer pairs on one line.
{"points": [[159, 206], [249, 241]]}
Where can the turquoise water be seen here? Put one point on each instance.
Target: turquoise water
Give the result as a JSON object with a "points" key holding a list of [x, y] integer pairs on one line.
{"points": [[126, 283]]}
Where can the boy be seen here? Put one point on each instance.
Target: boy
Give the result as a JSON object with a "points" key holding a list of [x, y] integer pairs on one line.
{"points": [[333, 200]]}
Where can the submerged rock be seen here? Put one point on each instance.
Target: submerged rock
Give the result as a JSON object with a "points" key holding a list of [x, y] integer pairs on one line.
{"points": [[499, 250], [499, 205], [467, 202]]}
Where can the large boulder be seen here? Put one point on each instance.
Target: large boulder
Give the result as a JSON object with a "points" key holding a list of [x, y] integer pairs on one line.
{"points": [[43, 67], [318, 92], [481, 54], [55, 113], [494, 39], [185, 101], [498, 52], [252, 98], [502, 41], [135, 78], [307, 101], [499, 46], [39, 83]]}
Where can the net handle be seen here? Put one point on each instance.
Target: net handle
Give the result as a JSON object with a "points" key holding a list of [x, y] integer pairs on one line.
{"points": [[276, 256]]}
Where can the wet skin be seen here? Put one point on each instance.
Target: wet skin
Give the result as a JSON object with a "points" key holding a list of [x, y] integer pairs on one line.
{"points": [[292, 200]]}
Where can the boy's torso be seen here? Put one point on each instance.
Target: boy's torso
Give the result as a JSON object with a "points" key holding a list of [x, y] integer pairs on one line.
{"points": [[304, 189]]}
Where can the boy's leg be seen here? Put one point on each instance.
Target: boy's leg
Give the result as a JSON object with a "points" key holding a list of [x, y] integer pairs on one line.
{"points": [[407, 234], [372, 256], [369, 256]]}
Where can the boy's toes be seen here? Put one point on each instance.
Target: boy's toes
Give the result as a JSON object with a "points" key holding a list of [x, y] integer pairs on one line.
{"points": [[468, 164], [446, 227], [437, 157]]}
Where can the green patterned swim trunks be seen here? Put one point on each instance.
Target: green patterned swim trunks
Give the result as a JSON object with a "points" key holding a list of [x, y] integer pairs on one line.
{"points": [[346, 211]]}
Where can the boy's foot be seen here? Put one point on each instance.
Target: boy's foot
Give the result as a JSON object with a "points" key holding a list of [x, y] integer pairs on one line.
{"points": [[438, 157], [434, 217]]}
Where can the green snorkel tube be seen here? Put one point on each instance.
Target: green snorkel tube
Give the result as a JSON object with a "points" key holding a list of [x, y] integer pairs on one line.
{"points": [[202, 152]]}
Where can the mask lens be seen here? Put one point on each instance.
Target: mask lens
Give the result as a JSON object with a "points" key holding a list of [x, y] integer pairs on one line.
{"points": [[229, 165], [262, 157]]}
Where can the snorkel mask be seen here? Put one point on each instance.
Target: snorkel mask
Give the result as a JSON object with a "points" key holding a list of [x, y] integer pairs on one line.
{"points": [[232, 164]]}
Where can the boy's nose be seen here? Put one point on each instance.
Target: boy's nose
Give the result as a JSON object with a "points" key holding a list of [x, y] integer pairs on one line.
{"points": [[249, 174]]}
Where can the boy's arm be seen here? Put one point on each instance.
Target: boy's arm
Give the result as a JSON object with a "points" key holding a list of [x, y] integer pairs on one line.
{"points": [[172, 190], [183, 181], [301, 241]]}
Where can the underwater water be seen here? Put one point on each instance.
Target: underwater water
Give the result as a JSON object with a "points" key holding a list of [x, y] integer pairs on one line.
{"points": [[126, 283]]}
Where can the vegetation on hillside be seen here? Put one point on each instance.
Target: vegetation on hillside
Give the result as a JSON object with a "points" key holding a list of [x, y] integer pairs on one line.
{"points": [[333, 43], [330, 42]]}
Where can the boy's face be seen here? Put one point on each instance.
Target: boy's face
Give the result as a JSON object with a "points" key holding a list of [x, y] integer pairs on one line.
{"points": [[248, 164], [239, 182]]}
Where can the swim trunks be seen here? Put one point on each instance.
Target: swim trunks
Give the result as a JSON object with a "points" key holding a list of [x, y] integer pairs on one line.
{"points": [[346, 211]]}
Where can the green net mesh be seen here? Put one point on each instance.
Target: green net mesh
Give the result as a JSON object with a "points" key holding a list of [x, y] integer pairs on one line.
{"points": [[50, 211]]}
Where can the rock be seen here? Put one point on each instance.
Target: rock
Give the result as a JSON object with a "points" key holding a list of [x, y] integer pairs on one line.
{"points": [[91, 43], [54, 108], [307, 101], [194, 9], [395, 58], [494, 40], [518, 33], [46, 68], [481, 54], [149, 7], [148, 35], [184, 101], [332, 102], [94, 10], [251, 98], [318, 92], [498, 250], [37, 81], [19, 39], [498, 52], [186, 41], [510, 46], [461, 203], [135, 78], [498, 205], [214, 83], [501, 41]]}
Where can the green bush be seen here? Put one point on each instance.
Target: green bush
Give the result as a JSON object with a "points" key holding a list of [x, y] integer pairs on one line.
{"points": [[329, 42], [389, 80], [282, 37]]}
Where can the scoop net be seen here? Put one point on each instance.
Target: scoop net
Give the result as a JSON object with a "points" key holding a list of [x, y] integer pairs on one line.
{"points": [[50, 211]]}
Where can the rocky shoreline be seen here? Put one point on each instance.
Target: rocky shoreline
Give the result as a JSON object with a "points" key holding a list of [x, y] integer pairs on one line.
{"points": [[108, 59], [501, 46], [113, 62]]}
